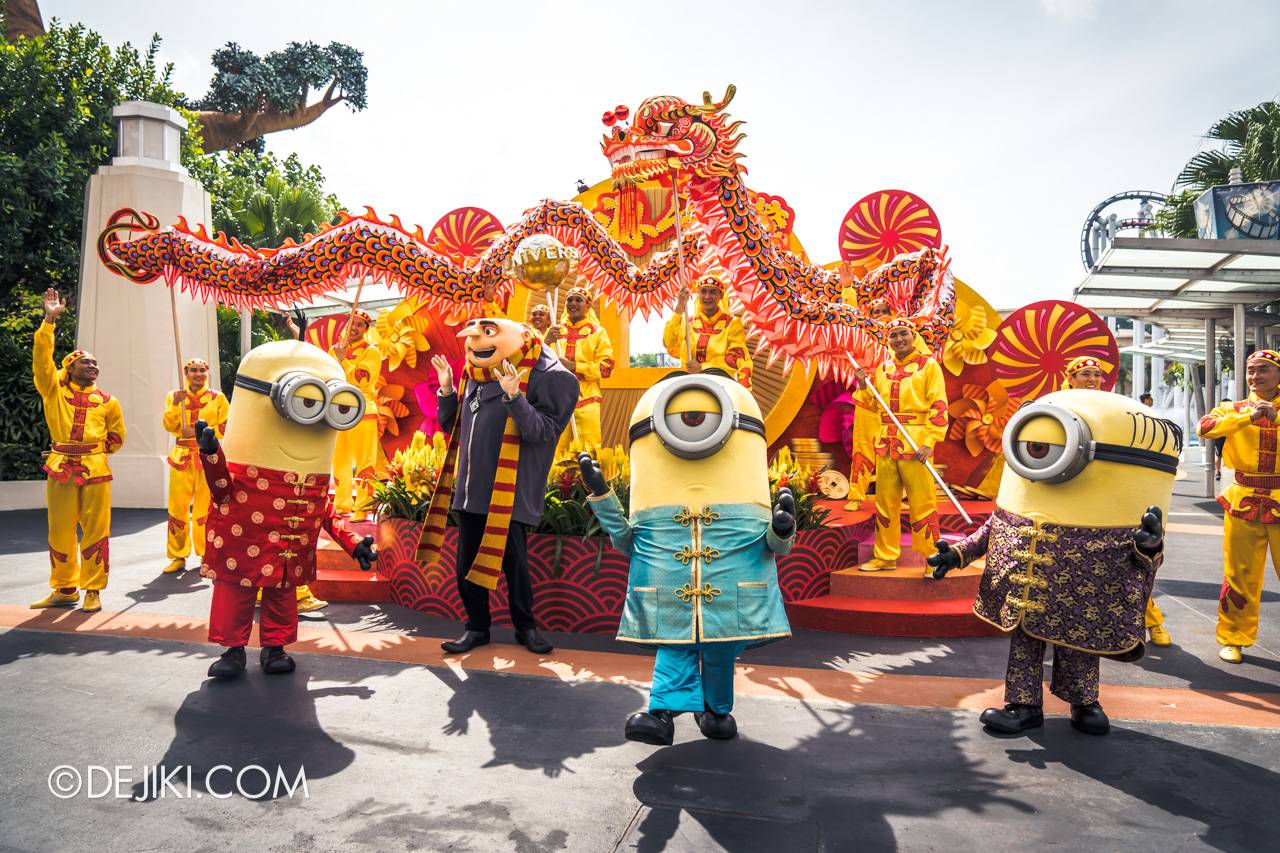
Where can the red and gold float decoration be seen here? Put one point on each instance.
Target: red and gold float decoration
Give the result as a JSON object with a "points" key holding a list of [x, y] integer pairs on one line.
{"points": [[885, 224], [1034, 344]]}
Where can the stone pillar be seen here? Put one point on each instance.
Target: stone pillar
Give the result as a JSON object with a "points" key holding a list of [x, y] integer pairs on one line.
{"points": [[128, 326], [1139, 361], [1157, 389]]}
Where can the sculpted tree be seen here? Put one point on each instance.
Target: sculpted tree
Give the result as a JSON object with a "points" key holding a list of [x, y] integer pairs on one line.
{"points": [[251, 96]]}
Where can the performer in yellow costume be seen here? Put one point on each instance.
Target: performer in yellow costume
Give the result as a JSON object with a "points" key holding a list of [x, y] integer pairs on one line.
{"points": [[1085, 373], [913, 386], [1252, 524], [358, 447], [588, 354], [86, 425], [718, 339], [182, 409], [866, 422]]}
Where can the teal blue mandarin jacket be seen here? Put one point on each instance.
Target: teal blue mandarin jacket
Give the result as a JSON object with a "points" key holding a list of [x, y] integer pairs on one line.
{"points": [[698, 575]]}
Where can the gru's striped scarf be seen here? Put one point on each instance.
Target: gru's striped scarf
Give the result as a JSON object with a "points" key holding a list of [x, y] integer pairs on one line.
{"points": [[487, 567]]}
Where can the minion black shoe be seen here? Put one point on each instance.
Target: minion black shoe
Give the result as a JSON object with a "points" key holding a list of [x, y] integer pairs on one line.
{"points": [[1090, 719], [1013, 719], [718, 726], [655, 727], [274, 661], [230, 664]]}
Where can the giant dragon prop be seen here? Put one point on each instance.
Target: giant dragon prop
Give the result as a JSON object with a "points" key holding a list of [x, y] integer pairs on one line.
{"points": [[794, 307]]}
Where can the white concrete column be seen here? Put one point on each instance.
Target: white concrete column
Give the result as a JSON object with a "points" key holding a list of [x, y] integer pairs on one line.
{"points": [[1210, 399], [1157, 370], [129, 327], [1139, 361], [1241, 343]]}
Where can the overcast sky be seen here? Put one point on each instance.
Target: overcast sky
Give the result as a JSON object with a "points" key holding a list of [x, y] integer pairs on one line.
{"points": [[1012, 119]]}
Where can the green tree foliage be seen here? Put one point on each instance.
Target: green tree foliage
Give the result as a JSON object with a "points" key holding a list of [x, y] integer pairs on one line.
{"points": [[251, 96], [1250, 140], [56, 97]]}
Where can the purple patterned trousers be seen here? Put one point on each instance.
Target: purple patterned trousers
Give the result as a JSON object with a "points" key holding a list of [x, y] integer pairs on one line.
{"points": [[1075, 673]]}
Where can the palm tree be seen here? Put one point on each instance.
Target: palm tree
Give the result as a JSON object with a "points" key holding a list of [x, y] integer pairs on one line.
{"points": [[1251, 141]]}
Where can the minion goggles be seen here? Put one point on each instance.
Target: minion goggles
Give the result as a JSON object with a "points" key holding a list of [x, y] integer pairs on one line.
{"points": [[1043, 462], [694, 435], [308, 410]]}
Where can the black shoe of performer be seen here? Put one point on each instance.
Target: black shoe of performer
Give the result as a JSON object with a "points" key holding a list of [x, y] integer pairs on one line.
{"points": [[468, 641], [533, 641], [1013, 719], [230, 664], [274, 661], [655, 727]]}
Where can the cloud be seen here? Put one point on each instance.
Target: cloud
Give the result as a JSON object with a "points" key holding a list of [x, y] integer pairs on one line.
{"points": [[1071, 10]]}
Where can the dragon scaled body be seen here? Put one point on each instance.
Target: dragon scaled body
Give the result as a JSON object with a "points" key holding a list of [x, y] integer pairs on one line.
{"points": [[793, 306]]}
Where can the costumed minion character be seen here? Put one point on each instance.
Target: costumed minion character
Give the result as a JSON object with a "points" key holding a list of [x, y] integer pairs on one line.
{"points": [[719, 339], [588, 355], [182, 408], [86, 425], [701, 536], [1072, 547], [1086, 373], [269, 484], [357, 448]]}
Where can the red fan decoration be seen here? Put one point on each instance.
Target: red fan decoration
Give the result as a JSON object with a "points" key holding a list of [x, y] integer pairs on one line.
{"points": [[1034, 344], [886, 224]]}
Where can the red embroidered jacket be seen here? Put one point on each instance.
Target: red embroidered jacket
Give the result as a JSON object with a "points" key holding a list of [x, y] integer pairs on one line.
{"points": [[266, 523]]}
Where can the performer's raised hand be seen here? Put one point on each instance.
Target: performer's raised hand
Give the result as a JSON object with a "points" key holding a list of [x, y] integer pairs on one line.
{"points": [[784, 514], [847, 281], [945, 560], [551, 335], [53, 306], [180, 396], [1264, 409], [340, 351], [444, 373], [592, 477], [365, 554], [509, 378], [1149, 536], [860, 373], [682, 300], [206, 438]]}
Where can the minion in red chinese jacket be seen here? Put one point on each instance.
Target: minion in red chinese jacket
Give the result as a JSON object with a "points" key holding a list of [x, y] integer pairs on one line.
{"points": [[1072, 547], [269, 484]]}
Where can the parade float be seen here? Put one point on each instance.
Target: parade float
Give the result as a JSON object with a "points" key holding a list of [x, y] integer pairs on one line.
{"points": [[674, 206]]}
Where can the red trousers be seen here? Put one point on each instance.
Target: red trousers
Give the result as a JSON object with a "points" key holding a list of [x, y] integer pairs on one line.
{"points": [[231, 615]]}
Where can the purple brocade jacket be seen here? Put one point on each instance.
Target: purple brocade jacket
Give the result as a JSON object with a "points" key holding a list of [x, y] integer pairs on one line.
{"points": [[1081, 587]]}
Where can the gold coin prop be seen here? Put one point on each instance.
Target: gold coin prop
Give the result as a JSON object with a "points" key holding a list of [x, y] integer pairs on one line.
{"points": [[833, 485], [540, 262]]}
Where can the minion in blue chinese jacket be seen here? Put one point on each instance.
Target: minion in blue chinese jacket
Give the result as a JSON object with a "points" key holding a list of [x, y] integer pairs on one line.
{"points": [[1072, 547], [702, 538]]}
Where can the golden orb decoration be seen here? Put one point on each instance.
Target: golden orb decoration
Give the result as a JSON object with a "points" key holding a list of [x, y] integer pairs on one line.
{"points": [[541, 262]]}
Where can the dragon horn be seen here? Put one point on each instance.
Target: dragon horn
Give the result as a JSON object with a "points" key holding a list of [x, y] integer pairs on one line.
{"points": [[708, 107]]}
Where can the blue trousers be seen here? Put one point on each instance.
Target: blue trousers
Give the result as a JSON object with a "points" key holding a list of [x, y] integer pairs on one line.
{"points": [[695, 677]]}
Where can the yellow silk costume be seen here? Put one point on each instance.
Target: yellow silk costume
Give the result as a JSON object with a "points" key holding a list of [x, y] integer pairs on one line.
{"points": [[916, 392], [718, 341], [357, 448], [862, 466], [1252, 522], [186, 479], [587, 345], [86, 425]]}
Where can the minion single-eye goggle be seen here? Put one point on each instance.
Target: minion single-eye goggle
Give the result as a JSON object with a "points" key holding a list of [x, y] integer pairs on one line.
{"points": [[1061, 447], [694, 435], [306, 400]]}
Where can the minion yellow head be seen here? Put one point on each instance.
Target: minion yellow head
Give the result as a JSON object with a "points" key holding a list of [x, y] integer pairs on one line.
{"points": [[1088, 459], [697, 440], [291, 400]]}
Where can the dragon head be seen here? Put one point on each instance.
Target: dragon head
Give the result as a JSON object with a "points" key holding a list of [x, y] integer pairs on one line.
{"points": [[670, 136]]}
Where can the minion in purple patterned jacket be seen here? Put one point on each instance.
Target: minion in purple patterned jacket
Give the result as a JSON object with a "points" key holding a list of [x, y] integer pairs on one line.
{"points": [[1072, 548]]}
